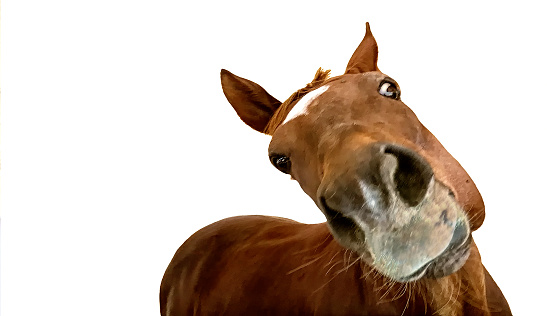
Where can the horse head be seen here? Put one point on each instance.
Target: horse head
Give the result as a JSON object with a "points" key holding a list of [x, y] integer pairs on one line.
{"points": [[389, 190]]}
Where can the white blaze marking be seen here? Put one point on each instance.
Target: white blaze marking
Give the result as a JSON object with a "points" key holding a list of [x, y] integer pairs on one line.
{"points": [[301, 107]]}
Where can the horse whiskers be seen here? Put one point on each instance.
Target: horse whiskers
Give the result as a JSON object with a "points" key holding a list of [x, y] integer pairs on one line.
{"points": [[370, 271], [448, 302], [459, 291], [347, 267], [332, 278], [397, 295], [330, 260], [409, 287], [315, 248], [335, 274], [312, 260], [344, 261], [384, 284], [472, 217], [345, 252], [332, 266], [322, 286], [422, 294], [391, 285], [386, 281], [317, 258], [304, 265]]}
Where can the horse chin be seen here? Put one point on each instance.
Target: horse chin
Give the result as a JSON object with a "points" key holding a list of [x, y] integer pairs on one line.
{"points": [[454, 255], [449, 261]]}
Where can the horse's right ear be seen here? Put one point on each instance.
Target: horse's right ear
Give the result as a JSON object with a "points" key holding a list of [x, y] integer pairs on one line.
{"points": [[252, 103], [365, 57]]}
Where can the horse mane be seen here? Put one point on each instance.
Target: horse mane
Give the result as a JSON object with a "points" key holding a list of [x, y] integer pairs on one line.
{"points": [[281, 113]]}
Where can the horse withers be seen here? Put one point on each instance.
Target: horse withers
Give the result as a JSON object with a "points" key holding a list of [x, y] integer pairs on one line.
{"points": [[400, 211]]}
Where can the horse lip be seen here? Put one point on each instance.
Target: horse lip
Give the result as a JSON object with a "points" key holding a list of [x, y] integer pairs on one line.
{"points": [[454, 244], [348, 229], [460, 237], [418, 273]]}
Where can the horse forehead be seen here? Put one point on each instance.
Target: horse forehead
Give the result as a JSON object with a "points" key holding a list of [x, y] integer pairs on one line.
{"points": [[348, 87], [349, 100], [302, 106]]}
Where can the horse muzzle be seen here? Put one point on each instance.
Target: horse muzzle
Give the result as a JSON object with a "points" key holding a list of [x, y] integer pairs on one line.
{"points": [[385, 204]]}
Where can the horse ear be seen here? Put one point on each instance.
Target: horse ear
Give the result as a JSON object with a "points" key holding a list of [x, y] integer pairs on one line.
{"points": [[252, 103], [365, 57]]}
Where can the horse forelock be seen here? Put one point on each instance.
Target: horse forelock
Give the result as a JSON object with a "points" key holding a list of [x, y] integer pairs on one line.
{"points": [[320, 78]]}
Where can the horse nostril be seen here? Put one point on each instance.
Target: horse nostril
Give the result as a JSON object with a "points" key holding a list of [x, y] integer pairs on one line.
{"points": [[412, 175], [335, 218], [329, 212]]}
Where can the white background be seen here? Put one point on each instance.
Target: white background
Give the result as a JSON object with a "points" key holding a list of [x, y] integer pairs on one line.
{"points": [[118, 144]]}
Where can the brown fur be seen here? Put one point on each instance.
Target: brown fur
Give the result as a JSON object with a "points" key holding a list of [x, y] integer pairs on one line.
{"points": [[221, 270], [319, 79], [260, 265]]}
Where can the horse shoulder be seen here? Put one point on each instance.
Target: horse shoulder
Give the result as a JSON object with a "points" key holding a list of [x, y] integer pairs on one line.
{"points": [[232, 260]]}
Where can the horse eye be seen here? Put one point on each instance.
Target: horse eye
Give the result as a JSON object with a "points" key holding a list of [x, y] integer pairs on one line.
{"points": [[282, 163], [390, 90]]}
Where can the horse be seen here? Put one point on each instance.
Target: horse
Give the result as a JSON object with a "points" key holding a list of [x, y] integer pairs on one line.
{"points": [[400, 212]]}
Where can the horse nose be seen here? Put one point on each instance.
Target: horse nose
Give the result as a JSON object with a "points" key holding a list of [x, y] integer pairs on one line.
{"points": [[404, 172], [376, 177]]}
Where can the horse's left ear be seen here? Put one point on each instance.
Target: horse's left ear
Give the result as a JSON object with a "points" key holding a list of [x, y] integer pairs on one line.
{"points": [[254, 105], [365, 57]]}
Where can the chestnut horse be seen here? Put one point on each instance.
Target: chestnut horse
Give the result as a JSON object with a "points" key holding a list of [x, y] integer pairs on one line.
{"points": [[400, 211]]}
